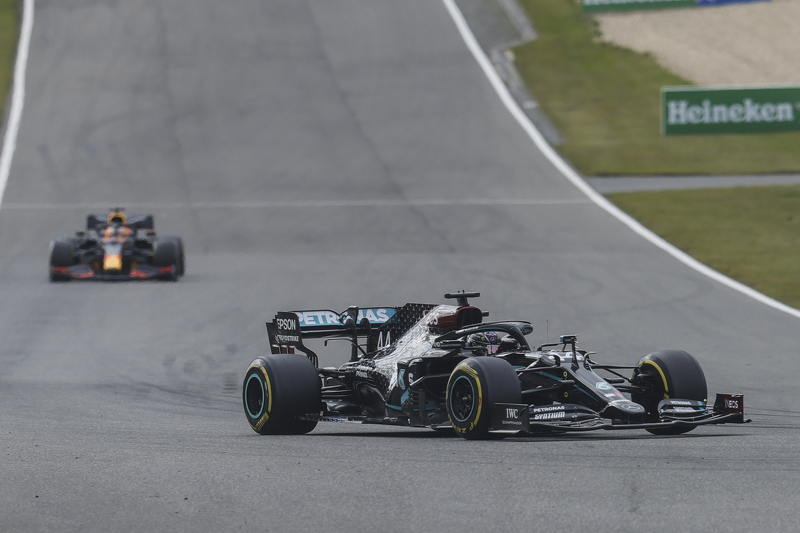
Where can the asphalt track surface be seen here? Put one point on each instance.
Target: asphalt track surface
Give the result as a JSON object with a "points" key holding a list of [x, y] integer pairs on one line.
{"points": [[326, 154]]}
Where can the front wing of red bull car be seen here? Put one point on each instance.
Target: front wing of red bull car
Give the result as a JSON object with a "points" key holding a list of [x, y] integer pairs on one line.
{"points": [[418, 366]]}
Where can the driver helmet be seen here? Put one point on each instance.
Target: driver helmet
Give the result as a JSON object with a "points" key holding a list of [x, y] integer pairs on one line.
{"points": [[117, 218], [117, 225], [486, 340], [508, 344]]}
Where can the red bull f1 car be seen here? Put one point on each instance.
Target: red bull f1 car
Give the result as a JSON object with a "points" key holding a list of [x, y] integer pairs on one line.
{"points": [[117, 247], [443, 367]]}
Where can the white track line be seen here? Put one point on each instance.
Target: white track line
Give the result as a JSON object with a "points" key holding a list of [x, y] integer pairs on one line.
{"points": [[573, 176], [17, 96], [310, 203]]}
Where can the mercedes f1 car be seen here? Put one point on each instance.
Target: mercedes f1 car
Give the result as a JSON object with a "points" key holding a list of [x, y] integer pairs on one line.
{"points": [[117, 247], [443, 367]]}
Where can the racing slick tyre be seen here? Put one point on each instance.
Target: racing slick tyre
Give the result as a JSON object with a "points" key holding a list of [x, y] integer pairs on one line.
{"points": [[279, 388], [181, 257], [475, 385], [166, 253], [669, 374], [62, 256]]}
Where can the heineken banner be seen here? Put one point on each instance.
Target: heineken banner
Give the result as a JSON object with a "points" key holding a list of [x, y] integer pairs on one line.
{"points": [[729, 110], [626, 5]]}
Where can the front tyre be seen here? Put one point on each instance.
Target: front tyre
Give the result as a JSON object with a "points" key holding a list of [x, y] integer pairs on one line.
{"points": [[62, 256], [279, 388], [475, 385], [180, 256], [167, 254], [669, 374]]}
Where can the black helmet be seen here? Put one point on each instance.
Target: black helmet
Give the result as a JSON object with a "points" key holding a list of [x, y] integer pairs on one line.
{"points": [[508, 344], [488, 340]]}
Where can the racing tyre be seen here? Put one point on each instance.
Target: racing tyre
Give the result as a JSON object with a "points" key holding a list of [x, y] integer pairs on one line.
{"points": [[671, 374], [166, 254], [61, 256], [180, 256], [279, 388], [475, 385]]}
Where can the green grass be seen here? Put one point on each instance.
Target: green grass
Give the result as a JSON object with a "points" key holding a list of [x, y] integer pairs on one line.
{"points": [[9, 35], [751, 234], [606, 102]]}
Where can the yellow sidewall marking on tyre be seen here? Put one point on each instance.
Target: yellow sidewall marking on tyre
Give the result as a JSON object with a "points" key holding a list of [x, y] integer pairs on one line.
{"points": [[661, 373], [265, 416], [480, 402], [468, 370], [464, 367]]}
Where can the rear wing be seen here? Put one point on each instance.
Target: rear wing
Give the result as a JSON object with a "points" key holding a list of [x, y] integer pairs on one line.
{"points": [[288, 329], [378, 327], [135, 222]]}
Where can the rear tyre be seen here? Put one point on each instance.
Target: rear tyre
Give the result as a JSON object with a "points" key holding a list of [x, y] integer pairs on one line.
{"points": [[166, 254], [475, 385], [669, 374], [279, 388], [62, 256]]}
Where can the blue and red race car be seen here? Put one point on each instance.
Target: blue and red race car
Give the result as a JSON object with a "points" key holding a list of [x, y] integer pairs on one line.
{"points": [[117, 247]]}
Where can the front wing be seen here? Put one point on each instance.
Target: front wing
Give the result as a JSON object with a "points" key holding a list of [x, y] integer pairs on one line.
{"points": [[87, 273], [728, 408]]}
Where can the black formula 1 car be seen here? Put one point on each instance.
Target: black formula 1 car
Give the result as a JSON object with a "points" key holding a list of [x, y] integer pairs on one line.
{"points": [[442, 367], [117, 247]]}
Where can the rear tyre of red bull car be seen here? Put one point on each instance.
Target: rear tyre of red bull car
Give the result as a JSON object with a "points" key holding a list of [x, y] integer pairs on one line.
{"points": [[278, 390], [668, 374], [474, 387]]}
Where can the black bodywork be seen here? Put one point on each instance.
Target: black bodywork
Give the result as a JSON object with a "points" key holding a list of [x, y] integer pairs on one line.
{"points": [[405, 362], [111, 249]]}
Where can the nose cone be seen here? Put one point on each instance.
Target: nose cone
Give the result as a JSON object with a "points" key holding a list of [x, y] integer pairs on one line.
{"points": [[628, 407], [112, 262]]}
